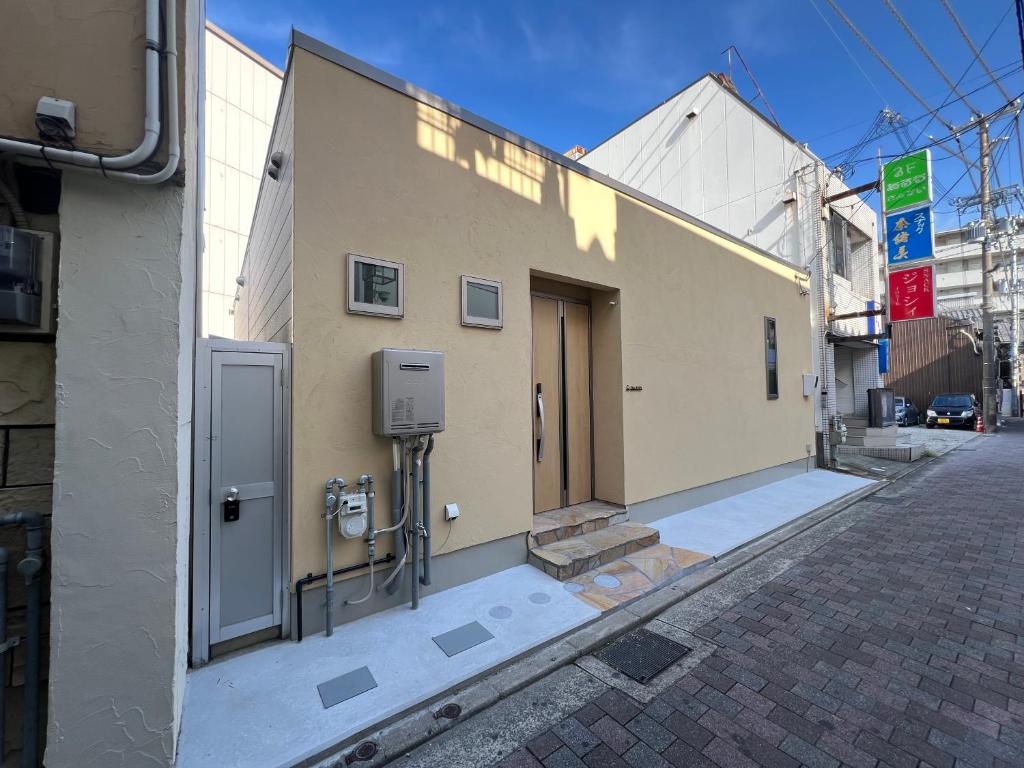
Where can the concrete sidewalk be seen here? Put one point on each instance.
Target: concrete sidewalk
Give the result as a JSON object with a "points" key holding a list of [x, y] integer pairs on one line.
{"points": [[890, 634], [263, 707]]}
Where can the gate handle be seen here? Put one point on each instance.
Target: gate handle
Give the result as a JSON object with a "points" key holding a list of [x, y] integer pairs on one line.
{"points": [[540, 413], [231, 495]]}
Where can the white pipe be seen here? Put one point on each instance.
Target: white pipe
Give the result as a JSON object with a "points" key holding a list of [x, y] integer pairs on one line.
{"points": [[112, 166]]}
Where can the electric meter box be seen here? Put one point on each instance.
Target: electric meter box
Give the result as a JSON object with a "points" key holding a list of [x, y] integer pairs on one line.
{"points": [[408, 392], [27, 282]]}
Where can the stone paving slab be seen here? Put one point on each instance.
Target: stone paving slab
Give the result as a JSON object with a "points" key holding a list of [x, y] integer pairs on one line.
{"points": [[563, 523], [571, 557], [897, 642]]}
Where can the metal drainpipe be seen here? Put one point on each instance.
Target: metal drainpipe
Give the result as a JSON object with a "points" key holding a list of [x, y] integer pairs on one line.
{"points": [[425, 513], [3, 645], [332, 501], [152, 124], [413, 526], [309, 578], [29, 567], [397, 490], [366, 481], [821, 310]]}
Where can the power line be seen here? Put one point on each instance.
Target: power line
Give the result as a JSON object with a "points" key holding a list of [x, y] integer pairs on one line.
{"points": [[924, 52], [899, 78], [1011, 65], [926, 115], [848, 51], [885, 63], [973, 47], [984, 45]]}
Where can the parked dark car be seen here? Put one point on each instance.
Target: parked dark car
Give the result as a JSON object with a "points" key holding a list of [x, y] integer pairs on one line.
{"points": [[907, 414], [953, 410]]}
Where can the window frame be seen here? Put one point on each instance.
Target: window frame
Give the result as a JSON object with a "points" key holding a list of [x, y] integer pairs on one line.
{"points": [[847, 248], [474, 321], [767, 362], [379, 310]]}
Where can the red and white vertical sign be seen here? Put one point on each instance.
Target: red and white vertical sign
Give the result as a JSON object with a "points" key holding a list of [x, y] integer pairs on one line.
{"points": [[912, 293]]}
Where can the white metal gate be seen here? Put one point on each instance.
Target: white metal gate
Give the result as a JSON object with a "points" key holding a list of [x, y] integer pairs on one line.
{"points": [[239, 528]]}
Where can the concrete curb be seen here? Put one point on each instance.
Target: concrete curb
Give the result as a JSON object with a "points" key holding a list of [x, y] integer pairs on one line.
{"points": [[403, 735]]}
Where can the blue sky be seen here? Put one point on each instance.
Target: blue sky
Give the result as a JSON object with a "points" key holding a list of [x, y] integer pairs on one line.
{"points": [[565, 73]]}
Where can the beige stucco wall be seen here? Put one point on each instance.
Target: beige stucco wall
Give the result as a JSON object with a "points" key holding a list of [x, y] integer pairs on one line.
{"points": [[90, 52], [379, 173]]}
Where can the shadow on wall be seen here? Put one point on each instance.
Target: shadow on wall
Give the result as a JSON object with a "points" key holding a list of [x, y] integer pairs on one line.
{"points": [[677, 335], [518, 171]]}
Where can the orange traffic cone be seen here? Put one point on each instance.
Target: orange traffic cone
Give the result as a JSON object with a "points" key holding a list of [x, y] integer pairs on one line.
{"points": [[979, 425]]}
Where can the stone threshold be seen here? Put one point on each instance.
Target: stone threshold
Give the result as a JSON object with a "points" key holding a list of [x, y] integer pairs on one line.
{"points": [[559, 524], [570, 557]]}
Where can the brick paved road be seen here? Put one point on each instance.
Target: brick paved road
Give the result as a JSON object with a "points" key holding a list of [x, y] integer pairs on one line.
{"points": [[900, 642]]}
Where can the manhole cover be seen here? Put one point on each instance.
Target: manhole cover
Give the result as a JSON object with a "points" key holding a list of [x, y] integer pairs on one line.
{"points": [[642, 654]]}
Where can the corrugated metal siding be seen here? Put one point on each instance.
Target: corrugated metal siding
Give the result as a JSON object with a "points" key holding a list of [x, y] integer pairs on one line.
{"points": [[929, 357]]}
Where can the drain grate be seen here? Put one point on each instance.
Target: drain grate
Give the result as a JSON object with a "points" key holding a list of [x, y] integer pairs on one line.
{"points": [[642, 654]]}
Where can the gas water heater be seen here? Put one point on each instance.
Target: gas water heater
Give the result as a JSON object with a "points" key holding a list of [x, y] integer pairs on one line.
{"points": [[408, 392]]}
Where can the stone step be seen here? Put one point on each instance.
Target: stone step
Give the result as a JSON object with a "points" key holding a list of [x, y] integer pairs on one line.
{"points": [[559, 524], [578, 554], [872, 442]]}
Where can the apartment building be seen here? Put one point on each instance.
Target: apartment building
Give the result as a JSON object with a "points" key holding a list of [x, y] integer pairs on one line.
{"points": [[707, 151], [242, 89]]}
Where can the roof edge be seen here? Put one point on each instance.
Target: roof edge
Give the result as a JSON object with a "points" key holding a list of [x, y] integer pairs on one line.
{"points": [[370, 72], [234, 42]]}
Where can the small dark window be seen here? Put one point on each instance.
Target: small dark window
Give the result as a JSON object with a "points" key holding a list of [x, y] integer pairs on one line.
{"points": [[771, 358], [839, 251]]}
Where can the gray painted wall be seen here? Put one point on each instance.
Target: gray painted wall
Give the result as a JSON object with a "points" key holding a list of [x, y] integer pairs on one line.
{"points": [[446, 571], [264, 311], [656, 509]]}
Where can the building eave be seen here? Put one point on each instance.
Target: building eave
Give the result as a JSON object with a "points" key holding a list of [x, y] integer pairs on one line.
{"points": [[364, 69]]}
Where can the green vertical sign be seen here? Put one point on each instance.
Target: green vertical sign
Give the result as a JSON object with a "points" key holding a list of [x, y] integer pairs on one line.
{"points": [[907, 181]]}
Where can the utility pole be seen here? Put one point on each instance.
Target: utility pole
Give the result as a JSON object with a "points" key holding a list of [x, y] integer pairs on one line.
{"points": [[988, 379], [1014, 321]]}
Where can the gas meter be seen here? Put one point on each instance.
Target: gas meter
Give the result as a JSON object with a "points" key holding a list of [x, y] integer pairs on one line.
{"points": [[352, 515]]}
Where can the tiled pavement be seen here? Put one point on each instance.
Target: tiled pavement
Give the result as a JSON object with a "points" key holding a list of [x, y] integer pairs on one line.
{"points": [[899, 642]]}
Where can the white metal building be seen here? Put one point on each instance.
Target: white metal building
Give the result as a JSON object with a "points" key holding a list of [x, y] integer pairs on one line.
{"points": [[711, 153], [242, 90]]}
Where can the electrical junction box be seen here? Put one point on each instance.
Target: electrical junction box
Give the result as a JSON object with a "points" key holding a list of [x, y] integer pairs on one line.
{"points": [[28, 282], [408, 392], [352, 522]]}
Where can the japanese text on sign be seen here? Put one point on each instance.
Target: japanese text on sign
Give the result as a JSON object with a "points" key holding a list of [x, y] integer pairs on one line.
{"points": [[908, 235], [912, 294], [906, 182]]}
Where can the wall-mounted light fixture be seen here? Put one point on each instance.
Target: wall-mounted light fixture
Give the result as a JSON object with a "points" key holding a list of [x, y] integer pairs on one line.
{"points": [[274, 167]]}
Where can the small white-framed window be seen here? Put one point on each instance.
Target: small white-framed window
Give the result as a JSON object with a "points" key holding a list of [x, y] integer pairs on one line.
{"points": [[375, 286], [481, 302]]}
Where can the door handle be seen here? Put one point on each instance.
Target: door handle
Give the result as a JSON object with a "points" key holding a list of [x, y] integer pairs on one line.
{"points": [[232, 505], [540, 414]]}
